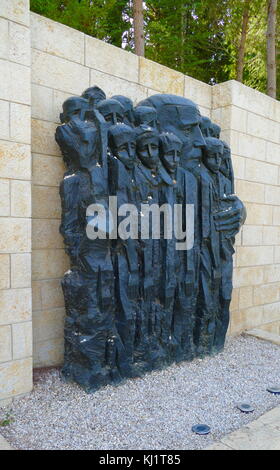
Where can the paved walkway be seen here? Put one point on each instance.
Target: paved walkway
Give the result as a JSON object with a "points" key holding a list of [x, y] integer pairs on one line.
{"points": [[4, 445], [261, 434]]}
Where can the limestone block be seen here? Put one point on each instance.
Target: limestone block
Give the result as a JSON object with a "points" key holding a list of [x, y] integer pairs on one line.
{"points": [[42, 102], [272, 152], [271, 327], [271, 312], [245, 297], [47, 170], [231, 117], [49, 352], [238, 166], [45, 234], [21, 270], [111, 59], [15, 82], [248, 276], [234, 304], [21, 198], [266, 294], [251, 147], [249, 256], [197, 91], [57, 39], [5, 343], [4, 271], [272, 273], [15, 235], [4, 197], [49, 264], [36, 295], [263, 128], [250, 192], [277, 254], [261, 172], [58, 73], [15, 306], [246, 319], [205, 111], [15, 160], [272, 195], [51, 294], [46, 202], [4, 39], [17, 377], [222, 94], [259, 214], [271, 235], [276, 215], [4, 119], [22, 340], [15, 10], [252, 235], [20, 123], [43, 138], [118, 86], [48, 324], [19, 44], [58, 98], [160, 78]]}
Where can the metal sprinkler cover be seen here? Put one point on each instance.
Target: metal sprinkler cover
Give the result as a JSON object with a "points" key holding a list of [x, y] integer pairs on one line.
{"points": [[275, 390], [201, 429], [245, 408]]}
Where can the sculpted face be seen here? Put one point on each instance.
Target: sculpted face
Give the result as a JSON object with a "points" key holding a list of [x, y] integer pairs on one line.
{"points": [[94, 95], [74, 107], [148, 149], [128, 108], [170, 151], [145, 115], [111, 110], [189, 121], [213, 154], [122, 144], [225, 167]]}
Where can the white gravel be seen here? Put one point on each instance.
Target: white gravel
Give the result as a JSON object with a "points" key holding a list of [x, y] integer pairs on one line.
{"points": [[153, 412]]}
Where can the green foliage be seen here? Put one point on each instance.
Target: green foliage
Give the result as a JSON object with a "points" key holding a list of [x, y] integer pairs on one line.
{"points": [[103, 19], [197, 37], [7, 420]]}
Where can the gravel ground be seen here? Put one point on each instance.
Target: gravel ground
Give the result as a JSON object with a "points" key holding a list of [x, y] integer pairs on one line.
{"points": [[153, 412]]}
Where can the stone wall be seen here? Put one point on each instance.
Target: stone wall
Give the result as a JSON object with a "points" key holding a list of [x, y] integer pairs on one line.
{"points": [[64, 63], [15, 202], [251, 124]]}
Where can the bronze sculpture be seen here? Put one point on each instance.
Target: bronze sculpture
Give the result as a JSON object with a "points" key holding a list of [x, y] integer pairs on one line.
{"points": [[141, 296]]}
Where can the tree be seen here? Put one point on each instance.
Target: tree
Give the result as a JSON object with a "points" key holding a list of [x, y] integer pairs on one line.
{"points": [[241, 49], [271, 48], [138, 23]]}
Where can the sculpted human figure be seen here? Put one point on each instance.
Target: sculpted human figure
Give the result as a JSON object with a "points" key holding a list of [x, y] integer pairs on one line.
{"points": [[94, 95], [128, 109], [112, 111], [90, 331], [124, 251], [136, 301], [145, 115]]}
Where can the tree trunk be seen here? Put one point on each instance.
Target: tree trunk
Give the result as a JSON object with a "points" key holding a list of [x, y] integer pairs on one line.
{"points": [[271, 48], [138, 22], [241, 49]]}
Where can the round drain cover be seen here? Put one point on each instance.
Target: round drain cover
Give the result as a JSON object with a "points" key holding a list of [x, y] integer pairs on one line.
{"points": [[245, 408], [201, 429], [275, 390]]}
